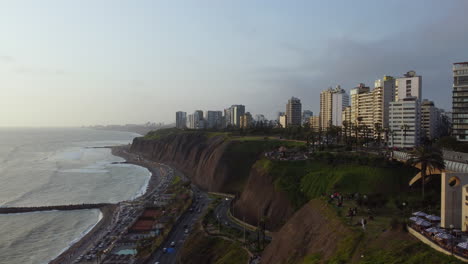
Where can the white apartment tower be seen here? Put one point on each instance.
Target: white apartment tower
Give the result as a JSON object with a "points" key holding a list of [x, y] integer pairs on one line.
{"points": [[181, 120], [405, 123], [235, 112], [410, 85], [340, 100], [332, 104]]}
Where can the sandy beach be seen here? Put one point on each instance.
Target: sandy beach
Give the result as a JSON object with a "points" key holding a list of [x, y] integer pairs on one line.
{"points": [[87, 242]]}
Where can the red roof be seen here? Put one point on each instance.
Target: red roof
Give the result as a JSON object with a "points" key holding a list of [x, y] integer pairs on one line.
{"points": [[154, 213]]}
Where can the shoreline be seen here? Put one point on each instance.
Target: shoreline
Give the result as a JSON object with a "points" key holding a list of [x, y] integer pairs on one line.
{"points": [[73, 250], [81, 245]]}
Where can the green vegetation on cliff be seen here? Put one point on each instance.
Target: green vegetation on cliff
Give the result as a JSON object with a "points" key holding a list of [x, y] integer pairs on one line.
{"points": [[345, 173]]}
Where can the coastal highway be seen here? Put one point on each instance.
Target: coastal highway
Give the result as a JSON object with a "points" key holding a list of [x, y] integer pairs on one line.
{"points": [[178, 235]]}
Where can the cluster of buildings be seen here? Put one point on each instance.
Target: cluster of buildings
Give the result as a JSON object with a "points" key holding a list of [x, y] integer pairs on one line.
{"points": [[234, 116], [393, 110]]}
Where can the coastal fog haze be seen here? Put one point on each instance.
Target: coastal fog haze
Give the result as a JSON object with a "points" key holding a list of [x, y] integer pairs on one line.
{"points": [[233, 132], [73, 63]]}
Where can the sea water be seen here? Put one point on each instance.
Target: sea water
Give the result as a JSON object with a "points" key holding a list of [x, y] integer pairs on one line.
{"points": [[54, 167]]}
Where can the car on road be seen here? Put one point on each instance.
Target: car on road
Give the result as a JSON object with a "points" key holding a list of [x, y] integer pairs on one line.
{"points": [[173, 244], [164, 250], [186, 231]]}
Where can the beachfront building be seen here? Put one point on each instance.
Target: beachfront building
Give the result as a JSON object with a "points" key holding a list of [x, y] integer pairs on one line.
{"points": [[294, 112], [405, 123], [460, 101], [181, 120]]}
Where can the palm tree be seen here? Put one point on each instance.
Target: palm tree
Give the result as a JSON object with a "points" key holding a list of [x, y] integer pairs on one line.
{"points": [[428, 158], [378, 131], [345, 131]]}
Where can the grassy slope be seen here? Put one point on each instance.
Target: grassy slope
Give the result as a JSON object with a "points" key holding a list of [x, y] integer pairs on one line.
{"points": [[378, 245], [200, 248], [305, 180]]}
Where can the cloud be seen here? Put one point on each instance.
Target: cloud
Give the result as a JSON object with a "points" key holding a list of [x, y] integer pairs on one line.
{"points": [[429, 49]]}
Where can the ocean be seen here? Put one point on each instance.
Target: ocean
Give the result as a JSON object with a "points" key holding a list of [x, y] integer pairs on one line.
{"points": [[40, 166]]}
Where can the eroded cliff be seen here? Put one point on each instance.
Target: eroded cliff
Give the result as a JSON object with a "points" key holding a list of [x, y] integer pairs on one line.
{"points": [[223, 165]]}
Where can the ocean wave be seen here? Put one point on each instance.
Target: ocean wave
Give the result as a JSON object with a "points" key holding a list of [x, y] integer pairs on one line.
{"points": [[100, 216]]}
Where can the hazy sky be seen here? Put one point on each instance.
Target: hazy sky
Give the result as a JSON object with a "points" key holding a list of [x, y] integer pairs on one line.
{"points": [[70, 63]]}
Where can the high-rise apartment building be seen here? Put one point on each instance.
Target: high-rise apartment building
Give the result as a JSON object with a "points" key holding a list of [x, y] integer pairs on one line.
{"points": [[371, 108], [181, 120], [315, 123], [196, 121], [294, 112], [360, 103], [235, 112], [405, 123], [191, 121], [332, 104], [460, 101], [340, 100], [384, 95], [431, 118], [214, 119], [346, 116], [246, 120], [410, 85], [227, 117]]}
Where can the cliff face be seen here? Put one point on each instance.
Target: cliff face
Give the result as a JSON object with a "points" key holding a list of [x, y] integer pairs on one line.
{"points": [[260, 198], [205, 160], [311, 231], [220, 165]]}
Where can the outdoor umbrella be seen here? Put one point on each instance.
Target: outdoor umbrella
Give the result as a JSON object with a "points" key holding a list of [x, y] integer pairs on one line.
{"points": [[419, 213], [415, 218], [433, 217], [463, 245], [444, 236], [423, 223], [434, 230]]}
